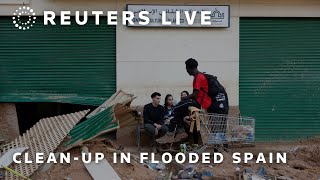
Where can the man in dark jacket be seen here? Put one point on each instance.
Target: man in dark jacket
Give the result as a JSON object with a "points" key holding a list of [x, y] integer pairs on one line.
{"points": [[153, 115]]}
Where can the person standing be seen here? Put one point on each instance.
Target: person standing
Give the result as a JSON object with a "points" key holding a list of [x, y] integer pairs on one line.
{"points": [[198, 99]]}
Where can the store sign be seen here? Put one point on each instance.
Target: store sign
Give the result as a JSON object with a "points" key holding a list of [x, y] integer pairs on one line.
{"points": [[190, 16]]}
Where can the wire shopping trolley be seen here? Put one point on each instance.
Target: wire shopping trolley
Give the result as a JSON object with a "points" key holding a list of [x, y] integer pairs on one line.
{"points": [[219, 129]]}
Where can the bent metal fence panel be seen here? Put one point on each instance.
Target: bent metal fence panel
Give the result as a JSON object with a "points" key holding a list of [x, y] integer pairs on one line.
{"points": [[44, 137]]}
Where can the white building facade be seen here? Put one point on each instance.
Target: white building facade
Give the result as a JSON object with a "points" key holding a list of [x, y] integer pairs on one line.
{"points": [[152, 59]]}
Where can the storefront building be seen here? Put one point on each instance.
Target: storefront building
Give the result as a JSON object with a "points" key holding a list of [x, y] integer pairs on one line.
{"points": [[268, 60]]}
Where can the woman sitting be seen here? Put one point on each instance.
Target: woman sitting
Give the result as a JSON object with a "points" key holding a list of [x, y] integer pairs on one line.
{"points": [[168, 107]]}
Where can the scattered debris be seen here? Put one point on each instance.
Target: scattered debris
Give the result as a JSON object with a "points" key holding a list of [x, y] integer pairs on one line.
{"points": [[108, 141], [161, 178], [100, 170], [247, 174], [224, 171], [157, 166], [115, 112], [2, 175], [6, 160], [170, 175], [284, 178], [15, 172], [260, 175], [206, 174], [46, 166], [186, 174], [294, 149], [203, 175], [135, 170], [261, 172], [90, 128], [44, 137], [118, 97]]}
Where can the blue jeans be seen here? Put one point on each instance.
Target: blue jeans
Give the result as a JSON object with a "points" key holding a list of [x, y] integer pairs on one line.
{"points": [[150, 129]]}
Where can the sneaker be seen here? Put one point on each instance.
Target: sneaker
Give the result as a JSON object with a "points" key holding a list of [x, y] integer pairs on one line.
{"points": [[167, 138]]}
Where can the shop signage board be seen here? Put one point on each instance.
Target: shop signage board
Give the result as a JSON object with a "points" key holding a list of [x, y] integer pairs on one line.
{"points": [[219, 16]]}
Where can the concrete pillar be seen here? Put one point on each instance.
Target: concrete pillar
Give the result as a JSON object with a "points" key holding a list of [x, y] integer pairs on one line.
{"points": [[8, 122], [234, 111]]}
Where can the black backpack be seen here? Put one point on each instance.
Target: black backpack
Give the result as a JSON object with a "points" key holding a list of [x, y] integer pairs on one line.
{"points": [[218, 95]]}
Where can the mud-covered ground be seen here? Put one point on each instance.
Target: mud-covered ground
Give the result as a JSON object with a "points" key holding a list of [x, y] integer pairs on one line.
{"points": [[303, 163]]}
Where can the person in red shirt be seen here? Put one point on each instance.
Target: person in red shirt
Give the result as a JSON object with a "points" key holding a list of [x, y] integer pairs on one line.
{"points": [[200, 85], [198, 99]]}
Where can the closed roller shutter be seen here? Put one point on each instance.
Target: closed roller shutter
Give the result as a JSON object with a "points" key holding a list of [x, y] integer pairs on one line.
{"points": [[280, 76], [68, 64]]}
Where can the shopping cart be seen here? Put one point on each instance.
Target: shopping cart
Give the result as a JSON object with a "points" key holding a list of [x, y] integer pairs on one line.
{"points": [[220, 129]]}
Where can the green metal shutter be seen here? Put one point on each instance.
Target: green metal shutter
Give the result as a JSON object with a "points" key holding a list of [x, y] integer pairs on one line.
{"points": [[69, 64], [280, 76]]}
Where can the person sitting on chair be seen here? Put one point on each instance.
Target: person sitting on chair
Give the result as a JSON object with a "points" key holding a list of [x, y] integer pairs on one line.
{"points": [[153, 115]]}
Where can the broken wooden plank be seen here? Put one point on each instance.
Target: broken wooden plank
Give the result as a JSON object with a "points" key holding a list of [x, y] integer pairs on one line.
{"points": [[101, 170], [104, 105], [118, 97], [104, 119]]}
